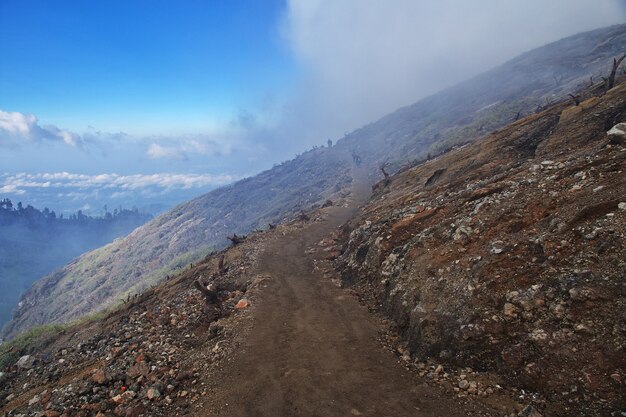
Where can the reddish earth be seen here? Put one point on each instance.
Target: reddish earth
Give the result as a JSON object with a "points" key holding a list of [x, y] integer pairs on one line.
{"points": [[314, 350]]}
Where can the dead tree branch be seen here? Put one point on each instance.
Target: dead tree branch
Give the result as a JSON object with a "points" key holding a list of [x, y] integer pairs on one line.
{"points": [[221, 267], [386, 179], [236, 239], [575, 98], [616, 63], [208, 290]]}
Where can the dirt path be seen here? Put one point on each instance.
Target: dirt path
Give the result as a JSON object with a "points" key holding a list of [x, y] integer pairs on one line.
{"points": [[313, 350]]}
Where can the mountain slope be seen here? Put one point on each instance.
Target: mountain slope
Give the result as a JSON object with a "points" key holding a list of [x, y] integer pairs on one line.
{"points": [[185, 234], [501, 264], [456, 115], [490, 100], [507, 256]]}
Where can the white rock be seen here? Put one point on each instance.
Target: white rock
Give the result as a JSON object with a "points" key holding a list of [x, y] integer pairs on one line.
{"points": [[25, 362], [617, 130]]}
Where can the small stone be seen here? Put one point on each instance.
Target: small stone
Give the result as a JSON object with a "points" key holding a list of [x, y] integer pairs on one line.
{"points": [[439, 369], [215, 328], [539, 335], [25, 362], [496, 250], [243, 303], [153, 394], [34, 400], [464, 384], [529, 411], [617, 134], [139, 410], [99, 377], [138, 370], [599, 188], [510, 310], [622, 206]]}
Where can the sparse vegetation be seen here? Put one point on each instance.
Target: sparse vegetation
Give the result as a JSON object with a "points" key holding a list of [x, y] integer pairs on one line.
{"points": [[33, 339]]}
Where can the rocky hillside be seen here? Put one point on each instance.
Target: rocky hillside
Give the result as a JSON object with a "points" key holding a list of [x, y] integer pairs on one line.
{"points": [[454, 116], [507, 255], [500, 263], [172, 241]]}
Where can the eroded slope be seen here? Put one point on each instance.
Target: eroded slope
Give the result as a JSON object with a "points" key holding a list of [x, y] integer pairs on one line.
{"points": [[507, 255]]}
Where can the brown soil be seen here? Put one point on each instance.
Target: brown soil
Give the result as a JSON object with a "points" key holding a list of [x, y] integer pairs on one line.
{"points": [[315, 351]]}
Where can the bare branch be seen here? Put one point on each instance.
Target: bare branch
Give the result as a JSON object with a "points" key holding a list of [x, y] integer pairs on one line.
{"points": [[221, 267], [236, 239], [616, 63], [209, 291]]}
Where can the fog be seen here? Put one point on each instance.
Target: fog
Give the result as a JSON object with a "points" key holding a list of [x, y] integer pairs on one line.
{"points": [[365, 58]]}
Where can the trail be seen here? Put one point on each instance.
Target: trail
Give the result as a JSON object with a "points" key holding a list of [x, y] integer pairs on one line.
{"points": [[313, 350]]}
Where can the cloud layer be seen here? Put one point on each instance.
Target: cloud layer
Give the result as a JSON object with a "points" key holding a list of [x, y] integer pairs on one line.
{"points": [[19, 183]]}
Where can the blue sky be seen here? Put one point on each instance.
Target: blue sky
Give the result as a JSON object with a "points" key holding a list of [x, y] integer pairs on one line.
{"points": [[139, 102], [140, 65]]}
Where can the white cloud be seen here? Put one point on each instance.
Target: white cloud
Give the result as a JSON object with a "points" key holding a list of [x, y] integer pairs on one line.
{"points": [[365, 58], [11, 189], [186, 147], [156, 151], [17, 123], [17, 128]]}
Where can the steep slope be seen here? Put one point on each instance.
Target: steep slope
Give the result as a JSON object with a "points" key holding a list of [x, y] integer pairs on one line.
{"points": [[507, 255], [457, 115], [185, 234], [279, 340], [501, 263]]}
